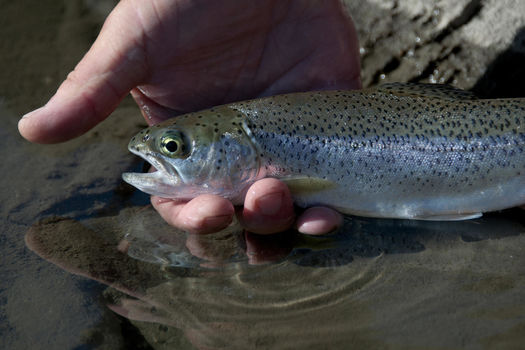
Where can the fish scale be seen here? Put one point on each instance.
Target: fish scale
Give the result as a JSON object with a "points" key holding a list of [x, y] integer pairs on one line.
{"points": [[401, 150]]}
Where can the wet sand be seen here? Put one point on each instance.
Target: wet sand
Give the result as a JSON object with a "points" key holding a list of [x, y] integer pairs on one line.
{"points": [[413, 289]]}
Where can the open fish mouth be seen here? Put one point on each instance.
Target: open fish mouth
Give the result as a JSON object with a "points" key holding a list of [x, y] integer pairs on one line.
{"points": [[160, 182]]}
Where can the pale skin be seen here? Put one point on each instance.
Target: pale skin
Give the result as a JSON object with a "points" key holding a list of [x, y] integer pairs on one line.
{"points": [[178, 56]]}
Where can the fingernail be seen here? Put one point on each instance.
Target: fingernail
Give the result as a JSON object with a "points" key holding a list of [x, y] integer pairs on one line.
{"points": [[208, 224], [30, 114], [319, 221], [219, 221], [315, 228], [270, 204]]}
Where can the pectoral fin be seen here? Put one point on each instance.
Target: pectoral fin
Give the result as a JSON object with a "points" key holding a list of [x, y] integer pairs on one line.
{"points": [[307, 185], [449, 217]]}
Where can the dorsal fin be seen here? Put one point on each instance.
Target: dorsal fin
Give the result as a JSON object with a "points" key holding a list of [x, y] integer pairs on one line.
{"points": [[427, 90]]}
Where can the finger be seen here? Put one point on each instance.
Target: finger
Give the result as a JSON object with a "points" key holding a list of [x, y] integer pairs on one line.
{"points": [[261, 249], [203, 214], [113, 65], [319, 221], [268, 207], [211, 249], [153, 112]]}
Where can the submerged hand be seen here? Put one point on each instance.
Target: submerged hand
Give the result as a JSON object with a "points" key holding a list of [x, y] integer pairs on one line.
{"points": [[181, 56]]}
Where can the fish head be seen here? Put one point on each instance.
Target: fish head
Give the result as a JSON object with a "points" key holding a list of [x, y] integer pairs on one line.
{"points": [[211, 151]]}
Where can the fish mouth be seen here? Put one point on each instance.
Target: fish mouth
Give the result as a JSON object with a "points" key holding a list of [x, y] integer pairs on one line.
{"points": [[162, 182]]}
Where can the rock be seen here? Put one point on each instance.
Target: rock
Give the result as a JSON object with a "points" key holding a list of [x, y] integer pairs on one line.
{"points": [[471, 44]]}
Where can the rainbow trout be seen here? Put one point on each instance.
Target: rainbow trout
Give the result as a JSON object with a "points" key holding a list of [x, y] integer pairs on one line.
{"points": [[411, 151]]}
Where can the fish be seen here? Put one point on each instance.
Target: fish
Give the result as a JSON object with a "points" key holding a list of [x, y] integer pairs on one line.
{"points": [[400, 150]]}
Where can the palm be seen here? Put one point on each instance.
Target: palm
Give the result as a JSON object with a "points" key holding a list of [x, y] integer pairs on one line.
{"points": [[198, 58]]}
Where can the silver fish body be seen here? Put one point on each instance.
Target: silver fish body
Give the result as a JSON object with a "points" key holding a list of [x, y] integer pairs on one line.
{"points": [[398, 151]]}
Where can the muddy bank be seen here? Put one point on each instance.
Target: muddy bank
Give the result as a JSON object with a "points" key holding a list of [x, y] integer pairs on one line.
{"points": [[471, 44]]}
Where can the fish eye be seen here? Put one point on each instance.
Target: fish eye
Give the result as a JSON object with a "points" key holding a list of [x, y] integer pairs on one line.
{"points": [[172, 144]]}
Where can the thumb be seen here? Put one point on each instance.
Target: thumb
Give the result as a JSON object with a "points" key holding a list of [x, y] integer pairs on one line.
{"points": [[109, 70]]}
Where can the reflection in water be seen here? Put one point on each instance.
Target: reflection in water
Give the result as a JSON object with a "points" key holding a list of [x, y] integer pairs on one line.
{"points": [[374, 283]]}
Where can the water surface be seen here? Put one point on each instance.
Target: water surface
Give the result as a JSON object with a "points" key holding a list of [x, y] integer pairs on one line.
{"points": [[374, 284]]}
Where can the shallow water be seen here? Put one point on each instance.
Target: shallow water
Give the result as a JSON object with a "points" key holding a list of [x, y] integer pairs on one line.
{"points": [[374, 284]]}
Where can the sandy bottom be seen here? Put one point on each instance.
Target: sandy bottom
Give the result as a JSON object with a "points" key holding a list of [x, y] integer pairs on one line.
{"points": [[376, 284]]}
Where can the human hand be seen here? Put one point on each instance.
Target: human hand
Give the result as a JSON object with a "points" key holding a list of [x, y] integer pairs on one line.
{"points": [[181, 56]]}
